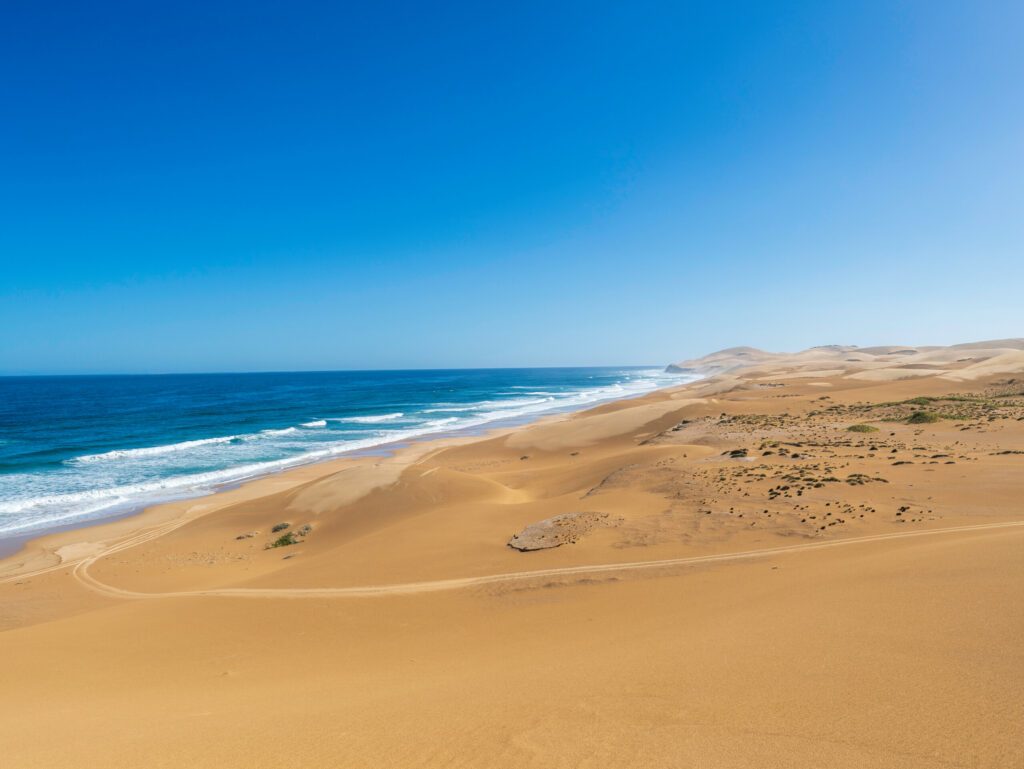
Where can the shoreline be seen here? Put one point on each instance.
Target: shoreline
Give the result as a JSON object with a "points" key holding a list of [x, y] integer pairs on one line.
{"points": [[36, 546], [187, 486]]}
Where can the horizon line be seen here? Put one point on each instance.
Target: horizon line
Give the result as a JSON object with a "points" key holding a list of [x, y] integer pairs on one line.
{"points": [[232, 372]]}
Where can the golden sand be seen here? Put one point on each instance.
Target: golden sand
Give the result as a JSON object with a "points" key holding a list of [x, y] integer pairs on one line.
{"points": [[752, 585]]}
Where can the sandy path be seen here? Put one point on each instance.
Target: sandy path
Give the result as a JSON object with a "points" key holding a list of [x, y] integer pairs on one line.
{"points": [[81, 570]]}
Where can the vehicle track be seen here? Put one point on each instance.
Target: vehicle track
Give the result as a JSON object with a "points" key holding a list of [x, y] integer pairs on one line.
{"points": [[81, 569]]}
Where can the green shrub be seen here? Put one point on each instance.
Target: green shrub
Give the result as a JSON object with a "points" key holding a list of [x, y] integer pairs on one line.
{"points": [[862, 429], [284, 540], [923, 418]]}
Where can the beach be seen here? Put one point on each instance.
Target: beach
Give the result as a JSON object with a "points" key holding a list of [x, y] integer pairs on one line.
{"points": [[77, 450], [717, 574]]}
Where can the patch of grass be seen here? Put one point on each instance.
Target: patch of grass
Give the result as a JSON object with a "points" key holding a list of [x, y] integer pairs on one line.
{"points": [[923, 418], [862, 429], [284, 540], [919, 401]]}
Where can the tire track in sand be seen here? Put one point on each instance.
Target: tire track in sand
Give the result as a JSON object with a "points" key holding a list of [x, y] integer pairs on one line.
{"points": [[81, 569]]}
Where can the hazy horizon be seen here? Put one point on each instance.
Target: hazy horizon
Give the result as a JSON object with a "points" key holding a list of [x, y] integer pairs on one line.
{"points": [[641, 365]]}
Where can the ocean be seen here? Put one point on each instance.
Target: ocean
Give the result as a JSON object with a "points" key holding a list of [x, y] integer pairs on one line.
{"points": [[82, 448]]}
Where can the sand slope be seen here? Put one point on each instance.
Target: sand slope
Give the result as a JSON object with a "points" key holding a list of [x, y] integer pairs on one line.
{"points": [[765, 589]]}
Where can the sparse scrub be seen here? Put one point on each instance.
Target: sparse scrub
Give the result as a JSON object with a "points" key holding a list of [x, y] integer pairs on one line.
{"points": [[284, 540]]}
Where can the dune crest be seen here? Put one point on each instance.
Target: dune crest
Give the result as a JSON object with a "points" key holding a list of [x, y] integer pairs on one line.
{"points": [[957, 362]]}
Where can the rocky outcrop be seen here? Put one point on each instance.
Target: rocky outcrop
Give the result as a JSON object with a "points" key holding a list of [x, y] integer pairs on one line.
{"points": [[559, 530]]}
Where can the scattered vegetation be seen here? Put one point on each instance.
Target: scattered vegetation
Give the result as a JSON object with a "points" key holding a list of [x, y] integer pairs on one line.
{"points": [[801, 468]]}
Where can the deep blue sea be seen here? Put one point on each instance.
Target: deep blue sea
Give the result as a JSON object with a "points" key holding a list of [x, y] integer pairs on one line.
{"points": [[74, 449]]}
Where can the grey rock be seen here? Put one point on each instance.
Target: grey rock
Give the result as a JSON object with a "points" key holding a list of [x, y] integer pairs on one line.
{"points": [[559, 530]]}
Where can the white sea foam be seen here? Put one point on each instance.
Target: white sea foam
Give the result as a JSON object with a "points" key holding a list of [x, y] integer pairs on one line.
{"points": [[184, 446], [442, 422], [151, 451], [315, 423], [371, 419], [489, 404], [49, 509], [281, 431], [105, 498]]}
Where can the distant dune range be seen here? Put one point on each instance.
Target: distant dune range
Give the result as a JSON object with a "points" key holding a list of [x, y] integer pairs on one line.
{"points": [[958, 363], [802, 560]]}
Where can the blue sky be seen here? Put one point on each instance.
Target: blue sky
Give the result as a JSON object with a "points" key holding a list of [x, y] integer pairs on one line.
{"points": [[229, 186]]}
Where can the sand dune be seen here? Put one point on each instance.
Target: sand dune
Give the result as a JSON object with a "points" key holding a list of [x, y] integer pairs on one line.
{"points": [[885, 362], [756, 585]]}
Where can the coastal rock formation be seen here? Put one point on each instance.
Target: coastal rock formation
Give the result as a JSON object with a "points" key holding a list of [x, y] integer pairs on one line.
{"points": [[558, 530]]}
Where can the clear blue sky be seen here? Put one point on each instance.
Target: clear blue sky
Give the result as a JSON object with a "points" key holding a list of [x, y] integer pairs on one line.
{"points": [[246, 186]]}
